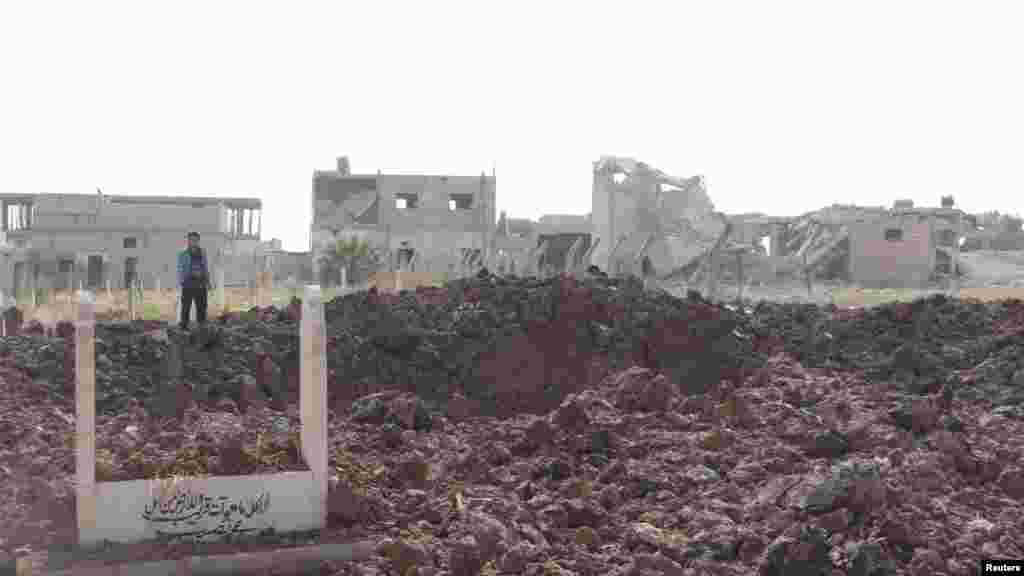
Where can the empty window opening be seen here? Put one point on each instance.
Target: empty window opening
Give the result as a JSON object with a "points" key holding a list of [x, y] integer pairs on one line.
{"points": [[65, 278], [894, 235], [406, 256], [766, 245], [460, 202], [646, 268], [470, 256], [405, 201], [130, 243], [619, 177], [244, 222], [947, 237], [19, 216]]}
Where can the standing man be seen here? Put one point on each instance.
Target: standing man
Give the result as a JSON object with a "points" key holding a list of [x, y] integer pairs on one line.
{"points": [[193, 280]]}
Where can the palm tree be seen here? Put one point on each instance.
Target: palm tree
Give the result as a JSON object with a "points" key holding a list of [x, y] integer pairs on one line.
{"points": [[357, 257]]}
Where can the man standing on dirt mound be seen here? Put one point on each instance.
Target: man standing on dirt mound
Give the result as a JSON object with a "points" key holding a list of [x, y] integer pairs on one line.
{"points": [[193, 280]]}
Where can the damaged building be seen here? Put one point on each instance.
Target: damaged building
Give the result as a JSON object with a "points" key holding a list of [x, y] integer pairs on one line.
{"points": [[642, 222], [62, 241], [645, 222], [872, 247], [553, 244], [421, 223]]}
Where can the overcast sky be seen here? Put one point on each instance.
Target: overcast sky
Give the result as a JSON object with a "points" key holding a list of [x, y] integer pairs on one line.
{"points": [[784, 107]]}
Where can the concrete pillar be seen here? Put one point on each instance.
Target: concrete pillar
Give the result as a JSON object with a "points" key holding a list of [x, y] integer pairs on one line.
{"points": [[85, 412], [313, 392], [344, 279], [955, 253]]}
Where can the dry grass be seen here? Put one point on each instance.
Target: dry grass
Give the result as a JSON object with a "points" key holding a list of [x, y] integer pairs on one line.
{"points": [[157, 304], [154, 304]]}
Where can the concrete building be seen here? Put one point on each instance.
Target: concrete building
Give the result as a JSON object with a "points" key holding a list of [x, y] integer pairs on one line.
{"points": [[63, 241], [421, 223], [905, 247]]}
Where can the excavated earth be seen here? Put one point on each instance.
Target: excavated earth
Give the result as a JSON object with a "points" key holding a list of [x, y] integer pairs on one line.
{"points": [[523, 426]]}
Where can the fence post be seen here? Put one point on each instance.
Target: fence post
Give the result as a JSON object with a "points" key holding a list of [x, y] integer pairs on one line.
{"points": [[85, 411], [313, 392], [110, 294]]}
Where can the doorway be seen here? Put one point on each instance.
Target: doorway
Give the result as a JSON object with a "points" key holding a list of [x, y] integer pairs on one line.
{"points": [[94, 276], [130, 271]]}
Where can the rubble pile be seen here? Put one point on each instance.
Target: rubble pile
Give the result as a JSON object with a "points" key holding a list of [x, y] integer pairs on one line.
{"points": [[504, 346], [517, 426]]}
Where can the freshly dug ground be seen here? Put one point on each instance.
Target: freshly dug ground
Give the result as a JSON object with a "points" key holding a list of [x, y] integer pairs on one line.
{"points": [[536, 427]]}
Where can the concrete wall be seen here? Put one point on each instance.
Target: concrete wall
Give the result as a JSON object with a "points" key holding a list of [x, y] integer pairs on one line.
{"points": [[613, 215], [879, 263], [7, 274]]}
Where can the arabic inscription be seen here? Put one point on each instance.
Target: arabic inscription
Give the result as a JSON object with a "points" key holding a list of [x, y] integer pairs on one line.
{"points": [[196, 515]]}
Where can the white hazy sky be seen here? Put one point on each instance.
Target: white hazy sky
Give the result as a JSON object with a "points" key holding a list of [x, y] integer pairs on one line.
{"points": [[783, 106]]}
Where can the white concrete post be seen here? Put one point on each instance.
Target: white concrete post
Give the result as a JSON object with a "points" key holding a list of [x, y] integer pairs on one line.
{"points": [[85, 412], [313, 392], [110, 294], [344, 279], [158, 284]]}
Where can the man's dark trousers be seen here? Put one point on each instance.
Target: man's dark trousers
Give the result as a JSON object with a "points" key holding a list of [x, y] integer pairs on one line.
{"points": [[188, 296]]}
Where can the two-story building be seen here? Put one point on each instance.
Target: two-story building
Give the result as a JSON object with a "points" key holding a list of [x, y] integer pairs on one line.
{"points": [[420, 223], [65, 241]]}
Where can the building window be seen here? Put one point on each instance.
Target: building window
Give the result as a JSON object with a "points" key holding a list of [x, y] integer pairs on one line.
{"points": [[406, 201], [460, 202], [20, 216], [894, 234], [130, 243], [243, 222]]}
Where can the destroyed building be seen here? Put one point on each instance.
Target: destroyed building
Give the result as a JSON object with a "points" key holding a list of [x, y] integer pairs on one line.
{"points": [[422, 223], [872, 247], [63, 241], [647, 222]]}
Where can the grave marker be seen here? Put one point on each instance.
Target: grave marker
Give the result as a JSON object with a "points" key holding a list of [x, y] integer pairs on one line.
{"points": [[199, 508]]}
